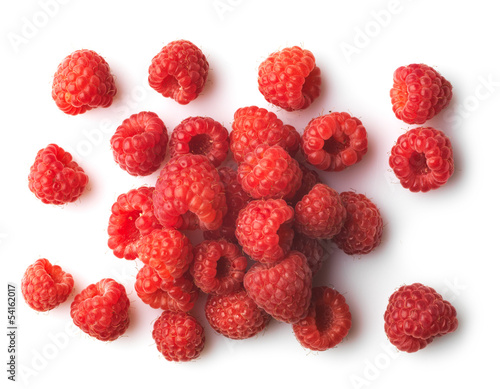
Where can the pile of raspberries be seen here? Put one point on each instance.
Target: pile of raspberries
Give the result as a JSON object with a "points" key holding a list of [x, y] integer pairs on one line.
{"points": [[256, 195]]}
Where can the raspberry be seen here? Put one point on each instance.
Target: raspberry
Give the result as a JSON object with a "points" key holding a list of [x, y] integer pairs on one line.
{"points": [[218, 267], [189, 189], [290, 78], [55, 178], [83, 81], [44, 286], [309, 179], [101, 310], [140, 143], [419, 93], [415, 315], [312, 250], [320, 214], [131, 218], [264, 230], [179, 71], [333, 142], [422, 159], [235, 315], [283, 289], [200, 135], [175, 294], [327, 322], [178, 336], [269, 172], [254, 126]]}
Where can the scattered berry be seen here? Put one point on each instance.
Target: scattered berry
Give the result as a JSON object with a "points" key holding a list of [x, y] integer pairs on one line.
{"points": [[312, 250], [309, 179]]}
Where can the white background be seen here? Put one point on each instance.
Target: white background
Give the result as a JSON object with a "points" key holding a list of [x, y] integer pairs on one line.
{"points": [[446, 239]]}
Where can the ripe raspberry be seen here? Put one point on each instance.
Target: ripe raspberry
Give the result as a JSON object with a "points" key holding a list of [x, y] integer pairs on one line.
{"points": [[264, 230], [101, 310], [327, 322], [55, 178], [269, 172], [178, 336], [179, 71], [419, 93], [83, 81], [218, 267], [189, 191], [44, 286], [290, 78], [283, 289], [362, 230], [254, 126], [309, 179], [200, 135], [235, 315], [335, 141], [131, 218], [415, 315], [320, 214], [422, 159], [312, 250], [140, 143]]}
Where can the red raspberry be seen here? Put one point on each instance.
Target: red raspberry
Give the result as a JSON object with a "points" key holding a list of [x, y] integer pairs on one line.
{"points": [[131, 218], [140, 143], [282, 289], [335, 141], [179, 337], [179, 71], [309, 179], [320, 214], [290, 78], [422, 159], [269, 172], [312, 250], [235, 315], [415, 315], [419, 93], [254, 126], [200, 135], [101, 310], [44, 286], [327, 322], [55, 178], [83, 81], [218, 267], [362, 230], [189, 191], [264, 230]]}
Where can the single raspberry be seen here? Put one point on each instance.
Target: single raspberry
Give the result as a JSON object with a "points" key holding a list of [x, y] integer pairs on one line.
{"points": [[290, 79], [309, 179], [362, 230], [179, 71], [101, 310], [140, 143], [200, 135], [168, 251], [175, 294], [335, 141], [415, 315], [264, 230], [419, 93], [312, 250], [218, 267], [282, 289], [131, 218], [83, 81], [55, 178], [235, 315], [269, 172], [179, 336], [320, 214], [254, 126], [327, 322], [422, 159], [44, 286]]}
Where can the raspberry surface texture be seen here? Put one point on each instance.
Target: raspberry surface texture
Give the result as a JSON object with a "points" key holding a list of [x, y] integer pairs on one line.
{"points": [[83, 81], [312, 250], [309, 179]]}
